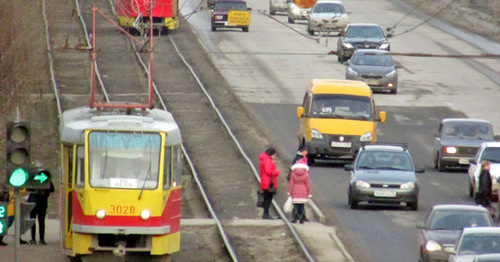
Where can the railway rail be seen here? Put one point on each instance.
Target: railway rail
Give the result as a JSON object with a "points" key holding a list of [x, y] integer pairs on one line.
{"points": [[192, 105]]}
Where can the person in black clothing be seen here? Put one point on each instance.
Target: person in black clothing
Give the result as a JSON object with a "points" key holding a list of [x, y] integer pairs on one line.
{"points": [[484, 193], [40, 198]]}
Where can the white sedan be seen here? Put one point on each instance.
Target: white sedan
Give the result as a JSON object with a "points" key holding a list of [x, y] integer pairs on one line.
{"points": [[487, 151]]}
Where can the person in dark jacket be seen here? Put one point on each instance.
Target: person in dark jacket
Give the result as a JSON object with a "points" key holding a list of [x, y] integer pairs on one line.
{"points": [[300, 190], [484, 192], [268, 179], [40, 198]]}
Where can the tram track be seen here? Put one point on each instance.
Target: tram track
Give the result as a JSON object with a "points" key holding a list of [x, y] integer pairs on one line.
{"points": [[224, 169]]}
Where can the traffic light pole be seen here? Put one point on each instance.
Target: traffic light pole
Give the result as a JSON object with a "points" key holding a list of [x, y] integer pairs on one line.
{"points": [[17, 224]]}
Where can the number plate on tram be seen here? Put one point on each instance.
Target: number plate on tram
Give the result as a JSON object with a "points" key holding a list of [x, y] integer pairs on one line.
{"points": [[384, 193]]}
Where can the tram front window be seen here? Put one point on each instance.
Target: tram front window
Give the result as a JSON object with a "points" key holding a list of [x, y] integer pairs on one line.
{"points": [[124, 160]]}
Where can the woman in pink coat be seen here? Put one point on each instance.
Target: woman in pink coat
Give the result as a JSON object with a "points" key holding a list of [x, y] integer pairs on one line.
{"points": [[299, 189], [268, 179]]}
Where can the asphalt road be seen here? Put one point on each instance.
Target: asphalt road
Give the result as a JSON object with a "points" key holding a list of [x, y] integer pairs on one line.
{"points": [[269, 67]]}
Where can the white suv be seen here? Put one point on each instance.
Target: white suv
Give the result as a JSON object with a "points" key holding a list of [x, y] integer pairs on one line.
{"points": [[487, 151]]}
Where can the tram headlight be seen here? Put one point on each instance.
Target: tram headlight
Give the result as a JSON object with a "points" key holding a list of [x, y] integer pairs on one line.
{"points": [[100, 214], [145, 214]]}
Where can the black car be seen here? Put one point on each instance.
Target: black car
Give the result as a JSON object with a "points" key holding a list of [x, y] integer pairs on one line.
{"points": [[443, 225], [458, 140], [361, 36]]}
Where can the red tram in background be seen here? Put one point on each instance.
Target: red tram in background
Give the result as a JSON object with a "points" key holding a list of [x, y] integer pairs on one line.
{"points": [[136, 14]]}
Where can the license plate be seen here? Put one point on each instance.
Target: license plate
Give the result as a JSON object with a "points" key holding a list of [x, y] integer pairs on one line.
{"points": [[371, 82], [342, 144], [463, 161], [384, 193]]}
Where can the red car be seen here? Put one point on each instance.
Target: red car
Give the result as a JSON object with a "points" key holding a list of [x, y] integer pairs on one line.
{"points": [[231, 14]]}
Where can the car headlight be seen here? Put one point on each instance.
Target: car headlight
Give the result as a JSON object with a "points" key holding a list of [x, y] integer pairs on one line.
{"points": [[350, 71], [100, 214], [348, 46], [391, 74], [218, 17], [145, 214], [432, 246], [384, 46], [450, 150], [366, 137], [316, 134], [363, 184], [408, 185]]}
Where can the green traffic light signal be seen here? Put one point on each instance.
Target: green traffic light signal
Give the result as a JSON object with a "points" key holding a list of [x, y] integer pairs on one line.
{"points": [[18, 177], [3, 218]]}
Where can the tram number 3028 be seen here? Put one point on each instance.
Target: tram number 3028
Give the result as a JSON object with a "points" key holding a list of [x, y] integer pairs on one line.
{"points": [[122, 209]]}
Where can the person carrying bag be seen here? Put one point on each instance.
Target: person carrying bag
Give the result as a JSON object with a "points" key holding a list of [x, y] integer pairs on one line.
{"points": [[268, 179]]}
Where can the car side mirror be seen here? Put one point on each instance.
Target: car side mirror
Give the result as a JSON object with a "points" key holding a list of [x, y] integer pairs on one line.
{"points": [[389, 35], [419, 170], [497, 138], [349, 12], [472, 161], [300, 112], [342, 32], [420, 225], [348, 167], [346, 63], [381, 116], [249, 9]]}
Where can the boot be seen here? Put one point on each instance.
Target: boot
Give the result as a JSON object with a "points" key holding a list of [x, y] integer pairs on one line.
{"points": [[302, 218], [295, 218]]}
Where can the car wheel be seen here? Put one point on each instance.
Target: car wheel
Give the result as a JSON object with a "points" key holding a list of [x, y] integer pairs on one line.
{"points": [[245, 29], [395, 91], [413, 205], [440, 165], [310, 159], [310, 31], [271, 11], [213, 28], [290, 20], [471, 190], [352, 204]]}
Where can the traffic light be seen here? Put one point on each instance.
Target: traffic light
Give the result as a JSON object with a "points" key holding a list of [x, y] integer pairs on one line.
{"points": [[39, 178], [18, 153], [26, 221], [4, 217]]}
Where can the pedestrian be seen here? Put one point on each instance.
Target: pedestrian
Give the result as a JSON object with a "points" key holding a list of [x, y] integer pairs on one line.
{"points": [[300, 155], [484, 192], [40, 198], [268, 179], [299, 189]]}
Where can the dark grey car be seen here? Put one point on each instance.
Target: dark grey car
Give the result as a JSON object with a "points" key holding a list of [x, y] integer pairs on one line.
{"points": [[443, 225], [383, 173], [361, 36], [457, 141], [374, 67]]}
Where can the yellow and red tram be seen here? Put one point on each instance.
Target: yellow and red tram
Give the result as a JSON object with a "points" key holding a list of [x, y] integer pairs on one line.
{"points": [[138, 13], [120, 187]]}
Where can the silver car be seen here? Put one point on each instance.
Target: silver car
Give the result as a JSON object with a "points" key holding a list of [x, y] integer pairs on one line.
{"points": [[374, 67], [297, 13], [327, 16], [278, 6], [475, 241]]}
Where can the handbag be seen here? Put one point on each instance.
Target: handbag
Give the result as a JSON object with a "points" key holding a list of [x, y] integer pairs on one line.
{"points": [[288, 206], [260, 198]]}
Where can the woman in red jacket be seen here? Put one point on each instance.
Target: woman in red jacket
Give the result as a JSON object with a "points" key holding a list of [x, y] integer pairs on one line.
{"points": [[299, 189], [268, 179]]}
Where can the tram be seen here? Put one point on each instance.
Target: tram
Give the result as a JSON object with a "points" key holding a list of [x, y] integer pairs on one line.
{"points": [[136, 14], [120, 181]]}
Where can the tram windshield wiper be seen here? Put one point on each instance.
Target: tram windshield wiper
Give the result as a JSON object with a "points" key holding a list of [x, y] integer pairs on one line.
{"points": [[146, 178]]}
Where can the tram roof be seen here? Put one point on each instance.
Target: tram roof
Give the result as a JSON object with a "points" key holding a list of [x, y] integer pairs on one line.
{"points": [[75, 121]]}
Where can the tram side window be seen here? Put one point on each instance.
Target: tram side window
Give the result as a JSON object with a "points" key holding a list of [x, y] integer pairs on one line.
{"points": [[177, 162], [69, 168], [167, 168], [80, 167]]}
